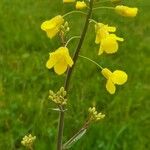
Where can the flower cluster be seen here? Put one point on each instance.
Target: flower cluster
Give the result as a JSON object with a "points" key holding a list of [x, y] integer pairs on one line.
{"points": [[94, 115], [28, 141], [59, 97], [61, 60]]}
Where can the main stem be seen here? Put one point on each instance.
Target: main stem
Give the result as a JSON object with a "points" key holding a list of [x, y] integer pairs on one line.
{"points": [[69, 73]]}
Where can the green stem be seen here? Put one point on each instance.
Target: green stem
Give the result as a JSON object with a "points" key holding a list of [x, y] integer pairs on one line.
{"points": [[91, 61], [69, 73], [76, 54], [96, 8], [74, 37], [72, 12], [92, 20]]}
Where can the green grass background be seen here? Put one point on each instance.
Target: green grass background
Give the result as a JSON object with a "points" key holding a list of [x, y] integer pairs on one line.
{"points": [[25, 82]]}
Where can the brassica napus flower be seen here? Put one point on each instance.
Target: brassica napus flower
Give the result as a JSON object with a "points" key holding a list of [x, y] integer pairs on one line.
{"points": [[126, 11], [68, 1], [102, 31], [80, 5], [109, 44], [117, 77], [60, 60], [52, 27]]}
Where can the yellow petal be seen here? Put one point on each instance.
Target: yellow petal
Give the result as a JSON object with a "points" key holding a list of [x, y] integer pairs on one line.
{"points": [[119, 39], [80, 5], [65, 53], [52, 32], [52, 26], [109, 45], [52, 60], [97, 39], [110, 87], [60, 67], [111, 29], [101, 32], [119, 77], [60, 59], [50, 64], [47, 25], [69, 60], [106, 73], [100, 51], [126, 11]]}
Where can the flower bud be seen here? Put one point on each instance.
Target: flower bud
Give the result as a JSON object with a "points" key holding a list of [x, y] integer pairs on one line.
{"points": [[126, 11], [80, 5]]}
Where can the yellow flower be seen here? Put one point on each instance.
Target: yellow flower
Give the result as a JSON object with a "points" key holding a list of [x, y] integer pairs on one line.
{"points": [[102, 31], [68, 1], [80, 5], [60, 60], [109, 44], [28, 140], [126, 11], [52, 27], [117, 77]]}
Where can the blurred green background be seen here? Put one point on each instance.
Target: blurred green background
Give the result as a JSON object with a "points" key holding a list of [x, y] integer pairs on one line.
{"points": [[25, 82]]}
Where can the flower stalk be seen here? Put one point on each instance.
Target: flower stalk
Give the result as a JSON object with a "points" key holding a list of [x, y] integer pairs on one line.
{"points": [[94, 62], [69, 73], [75, 11], [76, 54]]}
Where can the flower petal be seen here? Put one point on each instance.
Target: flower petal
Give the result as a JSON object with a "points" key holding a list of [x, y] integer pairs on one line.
{"points": [[60, 67], [52, 26], [106, 73], [109, 45], [52, 32], [119, 77], [97, 39], [80, 5], [100, 52], [65, 53], [119, 39], [52, 60], [126, 11], [110, 87], [47, 25], [69, 60], [111, 29]]}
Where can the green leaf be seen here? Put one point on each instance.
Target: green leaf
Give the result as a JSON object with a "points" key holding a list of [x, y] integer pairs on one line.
{"points": [[74, 139]]}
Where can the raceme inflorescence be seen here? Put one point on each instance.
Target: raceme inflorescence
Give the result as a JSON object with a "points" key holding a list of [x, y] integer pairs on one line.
{"points": [[64, 62]]}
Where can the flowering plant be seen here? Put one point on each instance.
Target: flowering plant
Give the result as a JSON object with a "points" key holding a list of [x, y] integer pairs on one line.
{"points": [[64, 62]]}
